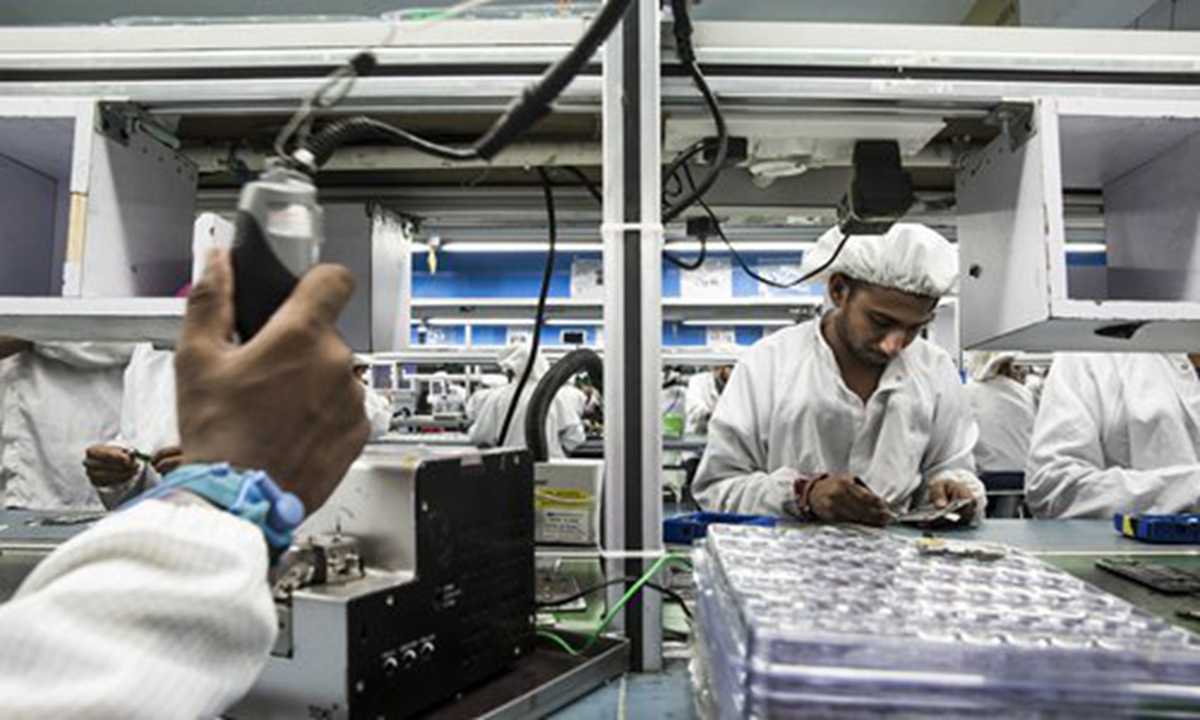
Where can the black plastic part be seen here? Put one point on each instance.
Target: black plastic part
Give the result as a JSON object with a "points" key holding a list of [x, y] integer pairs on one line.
{"points": [[880, 191], [574, 362], [701, 227], [364, 63], [260, 282], [737, 151]]}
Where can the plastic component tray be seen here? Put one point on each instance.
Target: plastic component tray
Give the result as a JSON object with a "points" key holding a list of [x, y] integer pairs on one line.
{"points": [[841, 622]]}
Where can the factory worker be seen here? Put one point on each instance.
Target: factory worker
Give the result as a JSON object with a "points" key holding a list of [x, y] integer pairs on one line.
{"points": [[564, 429], [851, 416], [163, 609], [376, 403], [1116, 433], [487, 383], [704, 388], [576, 400], [146, 446], [59, 398], [1004, 409]]}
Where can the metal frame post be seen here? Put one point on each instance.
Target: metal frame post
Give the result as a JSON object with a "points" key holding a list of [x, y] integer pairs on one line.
{"points": [[633, 238]]}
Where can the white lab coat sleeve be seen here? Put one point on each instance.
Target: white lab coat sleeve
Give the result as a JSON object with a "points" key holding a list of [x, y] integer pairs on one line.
{"points": [[160, 611], [733, 475], [570, 432], [379, 412], [951, 451], [1067, 477], [699, 404]]}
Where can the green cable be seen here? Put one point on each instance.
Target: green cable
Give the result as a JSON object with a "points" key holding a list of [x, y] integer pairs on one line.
{"points": [[558, 641], [612, 614]]}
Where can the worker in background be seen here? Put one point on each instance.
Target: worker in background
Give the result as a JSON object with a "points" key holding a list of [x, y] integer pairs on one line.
{"points": [[487, 383], [1117, 433], [703, 390], [163, 609], [851, 416], [377, 405], [58, 398], [146, 445], [564, 428], [1004, 409], [575, 398]]}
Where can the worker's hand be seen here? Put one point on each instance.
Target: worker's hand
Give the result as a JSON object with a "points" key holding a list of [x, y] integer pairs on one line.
{"points": [[944, 492], [844, 499], [167, 459], [109, 465], [286, 402]]}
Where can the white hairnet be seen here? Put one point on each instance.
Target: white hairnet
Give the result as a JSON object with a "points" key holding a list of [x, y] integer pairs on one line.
{"points": [[910, 257], [730, 350], [985, 365], [514, 357]]}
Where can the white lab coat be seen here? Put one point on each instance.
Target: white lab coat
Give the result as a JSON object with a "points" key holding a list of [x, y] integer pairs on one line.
{"points": [[564, 428], [1116, 433], [702, 395], [575, 399], [61, 398], [148, 416], [786, 411], [159, 611], [7, 368], [1004, 410], [379, 412]]}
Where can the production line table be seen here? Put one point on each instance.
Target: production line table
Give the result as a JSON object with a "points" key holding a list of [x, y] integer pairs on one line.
{"points": [[551, 678]]}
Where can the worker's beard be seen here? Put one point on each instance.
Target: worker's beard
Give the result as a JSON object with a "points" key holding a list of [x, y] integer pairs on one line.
{"points": [[861, 353]]}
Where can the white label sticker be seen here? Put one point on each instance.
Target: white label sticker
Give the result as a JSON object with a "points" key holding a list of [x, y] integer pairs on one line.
{"points": [[713, 279], [587, 279]]}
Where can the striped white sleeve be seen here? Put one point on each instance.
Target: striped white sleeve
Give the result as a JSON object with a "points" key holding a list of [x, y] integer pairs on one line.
{"points": [[159, 611]]}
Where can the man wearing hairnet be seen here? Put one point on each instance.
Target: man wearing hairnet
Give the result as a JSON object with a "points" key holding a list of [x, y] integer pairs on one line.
{"points": [[1004, 409], [850, 417], [564, 427], [1117, 432]]}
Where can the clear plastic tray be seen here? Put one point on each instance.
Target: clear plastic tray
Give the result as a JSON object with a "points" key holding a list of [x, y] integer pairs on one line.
{"points": [[829, 621]]}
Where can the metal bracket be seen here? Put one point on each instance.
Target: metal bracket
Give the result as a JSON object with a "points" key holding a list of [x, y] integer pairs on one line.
{"points": [[119, 122], [1015, 121]]}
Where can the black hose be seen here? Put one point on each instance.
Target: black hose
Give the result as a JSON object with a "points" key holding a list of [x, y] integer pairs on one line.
{"points": [[540, 314], [573, 363], [522, 113]]}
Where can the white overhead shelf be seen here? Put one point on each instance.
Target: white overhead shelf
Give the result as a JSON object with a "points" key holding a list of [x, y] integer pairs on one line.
{"points": [[101, 319], [1018, 291]]}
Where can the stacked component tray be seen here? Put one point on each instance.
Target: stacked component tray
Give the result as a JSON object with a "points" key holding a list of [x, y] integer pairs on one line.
{"points": [[841, 622]]}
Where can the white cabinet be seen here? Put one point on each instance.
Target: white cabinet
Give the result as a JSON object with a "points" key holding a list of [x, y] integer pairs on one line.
{"points": [[96, 220], [1018, 290]]}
